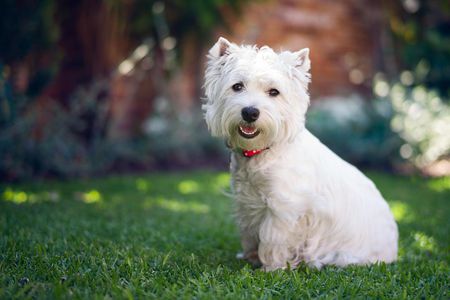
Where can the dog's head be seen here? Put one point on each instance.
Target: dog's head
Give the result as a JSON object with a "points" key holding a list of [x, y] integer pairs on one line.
{"points": [[255, 98]]}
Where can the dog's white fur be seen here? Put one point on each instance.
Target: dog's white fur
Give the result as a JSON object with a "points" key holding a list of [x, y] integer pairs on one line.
{"points": [[297, 200]]}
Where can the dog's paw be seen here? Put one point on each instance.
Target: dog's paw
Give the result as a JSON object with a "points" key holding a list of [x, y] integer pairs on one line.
{"points": [[251, 257]]}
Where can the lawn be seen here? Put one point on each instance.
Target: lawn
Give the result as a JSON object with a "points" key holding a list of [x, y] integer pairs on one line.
{"points": [[171, 235]]}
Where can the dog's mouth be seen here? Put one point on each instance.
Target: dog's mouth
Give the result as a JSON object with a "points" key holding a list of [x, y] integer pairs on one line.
{"points": [[248, 131]]}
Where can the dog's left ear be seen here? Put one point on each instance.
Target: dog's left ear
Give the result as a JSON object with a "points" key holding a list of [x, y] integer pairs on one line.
{"points": [[299, 60], [220, 48], [302, 61]]}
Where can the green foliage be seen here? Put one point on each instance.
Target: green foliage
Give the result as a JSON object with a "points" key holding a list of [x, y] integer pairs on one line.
{"points": [[423, 121], [421, 34], [198, 17], [73, 141], [172, 236], [181, 138], [25, 26], [357, 130], [177, 19], [406, 122], [28, 37], [419, 116], [50, 144]]}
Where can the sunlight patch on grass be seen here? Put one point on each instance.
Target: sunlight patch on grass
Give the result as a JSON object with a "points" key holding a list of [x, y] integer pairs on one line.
{"points": [[17, 197], [142, 185], [177, 206], [222, 181], [401, 211], [188, 187], [92, 196], [440, 185], [20, 197], [424, 242]]}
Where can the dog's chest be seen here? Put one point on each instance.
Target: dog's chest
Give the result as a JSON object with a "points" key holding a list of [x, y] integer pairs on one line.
{"points": [[252, 189]]}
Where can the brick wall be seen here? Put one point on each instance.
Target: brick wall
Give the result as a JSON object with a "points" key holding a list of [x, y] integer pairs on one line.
{"points": [[343, 37]]}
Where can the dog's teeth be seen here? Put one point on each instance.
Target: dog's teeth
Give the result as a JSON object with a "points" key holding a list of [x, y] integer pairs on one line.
{"points": [[248, 130]]}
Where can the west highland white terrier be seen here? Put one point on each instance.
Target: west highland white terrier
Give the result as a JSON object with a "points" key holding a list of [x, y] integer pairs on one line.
{"points": [[295, 199]]}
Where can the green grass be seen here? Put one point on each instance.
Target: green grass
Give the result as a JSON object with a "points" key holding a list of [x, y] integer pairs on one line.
{"points": [[172, 236]]}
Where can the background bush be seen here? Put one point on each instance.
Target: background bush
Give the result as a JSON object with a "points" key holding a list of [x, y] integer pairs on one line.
{"points": [[171, 140], [356, 129]]}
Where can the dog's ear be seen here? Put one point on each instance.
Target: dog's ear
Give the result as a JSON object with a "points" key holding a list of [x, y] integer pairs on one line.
{"points": [[302, 61], [220, 48], [299, 60]]}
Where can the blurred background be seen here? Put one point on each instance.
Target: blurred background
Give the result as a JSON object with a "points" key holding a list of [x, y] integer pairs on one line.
{"points": [[89, 88]]}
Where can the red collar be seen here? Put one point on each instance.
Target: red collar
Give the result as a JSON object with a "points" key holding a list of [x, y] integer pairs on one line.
{"points": [[250, 153]]}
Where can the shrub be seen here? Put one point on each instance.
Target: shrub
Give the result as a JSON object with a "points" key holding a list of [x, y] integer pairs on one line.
{"points": [[405, 123], [73, 141], [356, 129], [182, 138], [420, 117], [70, 141]]}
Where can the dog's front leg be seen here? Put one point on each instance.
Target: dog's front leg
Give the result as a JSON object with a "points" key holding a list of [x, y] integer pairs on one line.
{"points": [[249, 242], [274, 249]]}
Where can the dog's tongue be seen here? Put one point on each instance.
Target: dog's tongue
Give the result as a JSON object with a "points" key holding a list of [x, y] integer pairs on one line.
{"points": [[248, 129]]}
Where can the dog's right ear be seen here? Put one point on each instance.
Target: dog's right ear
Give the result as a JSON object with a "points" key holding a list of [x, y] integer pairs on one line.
{"points": [[220, 48]]}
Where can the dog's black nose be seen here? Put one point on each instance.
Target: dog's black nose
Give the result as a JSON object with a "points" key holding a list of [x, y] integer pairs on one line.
{"points": [[250, 114]]}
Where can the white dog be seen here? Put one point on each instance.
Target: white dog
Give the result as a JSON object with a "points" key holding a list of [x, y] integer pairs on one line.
{"points": [[295, 199]]}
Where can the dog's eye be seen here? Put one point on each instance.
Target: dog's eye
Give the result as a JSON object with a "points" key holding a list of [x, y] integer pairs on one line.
{"points": [[273, 92], [237, 87]]}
